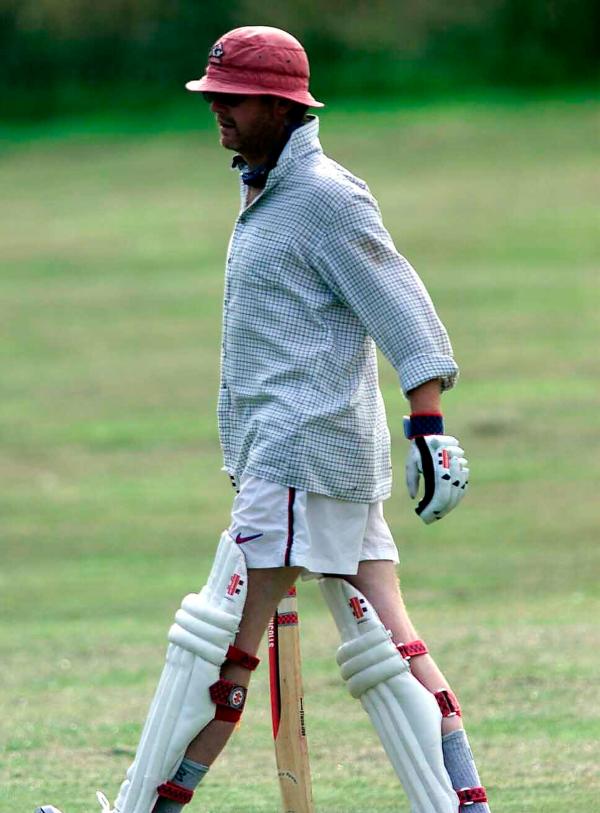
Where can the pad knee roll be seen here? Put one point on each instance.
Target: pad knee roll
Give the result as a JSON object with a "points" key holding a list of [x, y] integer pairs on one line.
{"points": [[404, 714]]}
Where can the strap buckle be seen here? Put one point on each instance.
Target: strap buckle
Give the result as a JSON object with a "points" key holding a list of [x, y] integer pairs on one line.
{"points": [[174, 792], [448, 703], [471, 796], [229, 698]]}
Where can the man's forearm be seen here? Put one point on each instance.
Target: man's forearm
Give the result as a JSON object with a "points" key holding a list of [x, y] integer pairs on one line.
{"points": [[426, 398]]}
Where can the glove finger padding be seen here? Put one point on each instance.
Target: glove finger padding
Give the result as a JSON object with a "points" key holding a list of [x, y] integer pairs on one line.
{"points": [[459, 473], [440, 460]]}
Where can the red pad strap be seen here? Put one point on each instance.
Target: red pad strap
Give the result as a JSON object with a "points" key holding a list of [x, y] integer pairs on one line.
{"points": [[236, 655], [412, 649], [470, 796], [449, 705], [229, 698], [175, 792]]}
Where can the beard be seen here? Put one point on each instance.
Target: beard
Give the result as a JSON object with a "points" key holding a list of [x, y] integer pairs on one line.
{"points": [[254, 140]]}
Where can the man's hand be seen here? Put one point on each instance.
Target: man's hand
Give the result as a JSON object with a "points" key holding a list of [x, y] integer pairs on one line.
{"points": [[439, 458]]}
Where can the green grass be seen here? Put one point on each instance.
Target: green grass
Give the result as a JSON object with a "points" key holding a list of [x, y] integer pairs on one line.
{"points": [[112, 500]]}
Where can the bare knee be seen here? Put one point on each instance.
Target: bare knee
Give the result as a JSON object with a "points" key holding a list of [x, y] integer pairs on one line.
{"points": [[266, 588]]}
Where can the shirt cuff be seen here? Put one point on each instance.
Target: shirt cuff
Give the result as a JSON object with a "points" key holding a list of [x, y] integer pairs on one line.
{"points": [[418, 369]]}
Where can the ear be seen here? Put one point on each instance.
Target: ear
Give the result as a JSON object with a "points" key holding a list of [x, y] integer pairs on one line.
{"points": [[282, 108]]}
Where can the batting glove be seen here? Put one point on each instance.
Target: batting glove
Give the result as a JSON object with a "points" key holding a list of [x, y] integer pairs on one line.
{"points": [[439, 458]]}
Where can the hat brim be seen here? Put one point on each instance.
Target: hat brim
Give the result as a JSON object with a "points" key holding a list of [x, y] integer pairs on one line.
{"points": [[218, 86]]}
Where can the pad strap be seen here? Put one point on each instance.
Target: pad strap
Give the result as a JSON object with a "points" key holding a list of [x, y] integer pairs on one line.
{"points": [[229, 697], [176, 793], [412, 649], [446, 699], [236, 655], [448, 703], [470, 796]]}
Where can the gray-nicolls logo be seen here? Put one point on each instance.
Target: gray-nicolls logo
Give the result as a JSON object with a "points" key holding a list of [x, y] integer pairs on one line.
{"points": [[217, 51]]}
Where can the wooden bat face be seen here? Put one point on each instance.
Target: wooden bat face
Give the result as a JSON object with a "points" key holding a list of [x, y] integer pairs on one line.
{"points": [[287, 708]]}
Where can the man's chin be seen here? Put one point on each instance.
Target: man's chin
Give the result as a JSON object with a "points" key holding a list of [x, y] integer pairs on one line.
{"points": [[228, 139]]}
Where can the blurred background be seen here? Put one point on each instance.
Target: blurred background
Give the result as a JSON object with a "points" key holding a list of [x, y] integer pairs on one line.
{"points": [[59, 56], [476, 126]]}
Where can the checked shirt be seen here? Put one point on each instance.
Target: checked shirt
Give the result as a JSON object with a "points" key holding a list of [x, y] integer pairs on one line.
{"points": [[313, 283]]}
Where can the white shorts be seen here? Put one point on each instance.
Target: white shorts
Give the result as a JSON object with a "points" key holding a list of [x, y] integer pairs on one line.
{"points": [[277, 526]]}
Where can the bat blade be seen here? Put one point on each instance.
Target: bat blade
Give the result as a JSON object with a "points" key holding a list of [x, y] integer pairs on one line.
{"points": [[287, 708]]}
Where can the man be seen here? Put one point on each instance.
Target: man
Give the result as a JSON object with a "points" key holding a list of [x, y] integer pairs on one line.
{"points": [[313, 282]]}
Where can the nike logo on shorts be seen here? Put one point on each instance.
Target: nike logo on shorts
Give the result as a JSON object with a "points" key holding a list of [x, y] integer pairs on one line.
{"points": [[241, 539]]}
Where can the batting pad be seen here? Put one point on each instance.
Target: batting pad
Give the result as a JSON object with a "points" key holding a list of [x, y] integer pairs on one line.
{"points": [[405, 715], [205, 626]]}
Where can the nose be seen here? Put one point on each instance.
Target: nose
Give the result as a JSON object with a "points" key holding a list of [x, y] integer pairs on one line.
{"points": [[217, 107]]}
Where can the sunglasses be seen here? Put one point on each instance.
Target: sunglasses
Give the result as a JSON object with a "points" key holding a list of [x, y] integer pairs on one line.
{"points": [[228, 99]]}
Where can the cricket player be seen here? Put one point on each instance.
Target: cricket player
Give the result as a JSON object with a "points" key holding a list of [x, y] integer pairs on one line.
{"points": [[313, 284]]}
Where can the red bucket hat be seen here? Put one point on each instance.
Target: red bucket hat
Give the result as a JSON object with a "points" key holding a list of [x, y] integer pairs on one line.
{"points": [[256, 60]]}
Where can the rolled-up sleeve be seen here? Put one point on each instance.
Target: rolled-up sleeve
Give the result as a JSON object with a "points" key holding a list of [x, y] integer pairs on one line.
{"points": [[357, 259]]}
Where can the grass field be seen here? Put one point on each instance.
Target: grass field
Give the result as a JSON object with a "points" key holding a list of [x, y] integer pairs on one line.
{"points": [[112, 500]]}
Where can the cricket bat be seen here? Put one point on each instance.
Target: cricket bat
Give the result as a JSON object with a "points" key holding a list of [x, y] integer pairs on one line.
{"points": [[287, 707]]}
